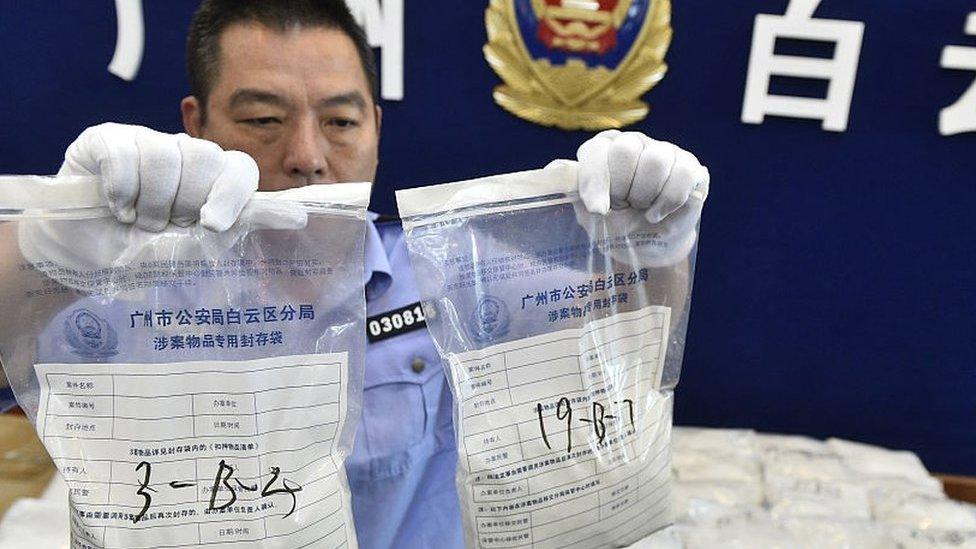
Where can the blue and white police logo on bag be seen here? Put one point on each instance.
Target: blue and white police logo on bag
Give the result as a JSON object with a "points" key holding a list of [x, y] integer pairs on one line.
{"points": [[577, 64], [491, 319], [90, 336]]}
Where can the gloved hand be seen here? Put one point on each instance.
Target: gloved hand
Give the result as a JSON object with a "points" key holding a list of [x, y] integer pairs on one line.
{"points": [[630, 170], [153, 181], [151, 178], [640, 184]]}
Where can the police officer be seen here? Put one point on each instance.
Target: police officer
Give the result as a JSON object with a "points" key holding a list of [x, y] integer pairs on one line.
{"points": [[284, 94]]}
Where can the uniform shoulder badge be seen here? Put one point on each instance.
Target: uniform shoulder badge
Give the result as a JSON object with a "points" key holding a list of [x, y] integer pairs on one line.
{"points": [[577, 64]]}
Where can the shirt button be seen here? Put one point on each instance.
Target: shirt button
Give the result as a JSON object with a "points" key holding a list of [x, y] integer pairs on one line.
{"points": [[418, 365]]}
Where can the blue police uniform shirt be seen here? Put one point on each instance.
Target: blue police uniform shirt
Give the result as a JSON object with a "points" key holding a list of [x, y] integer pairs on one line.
{"points": [[401, 471], [7, 401]]}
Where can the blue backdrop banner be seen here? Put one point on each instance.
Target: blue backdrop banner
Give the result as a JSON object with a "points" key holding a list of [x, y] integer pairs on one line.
{"points": [[835, 292]]}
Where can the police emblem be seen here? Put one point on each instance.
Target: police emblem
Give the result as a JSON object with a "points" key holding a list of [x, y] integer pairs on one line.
{"points": [[577, 64], [490, 320], [90, 336]]}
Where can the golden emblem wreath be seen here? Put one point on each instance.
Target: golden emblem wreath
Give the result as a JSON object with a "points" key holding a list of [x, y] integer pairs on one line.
{"points": [[574, 96]]}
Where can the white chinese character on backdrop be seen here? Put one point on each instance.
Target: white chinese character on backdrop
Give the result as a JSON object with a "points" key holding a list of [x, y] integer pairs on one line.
{"points": [[960, 117], [383, 25], [130, 40], [384, 29], [840, 71]]}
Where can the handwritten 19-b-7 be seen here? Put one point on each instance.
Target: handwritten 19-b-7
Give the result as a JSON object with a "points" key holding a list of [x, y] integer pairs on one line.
{"points": [[598, 419]]}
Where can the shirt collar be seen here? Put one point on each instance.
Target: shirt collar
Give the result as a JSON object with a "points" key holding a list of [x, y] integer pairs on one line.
{"points": [[377, 275]]}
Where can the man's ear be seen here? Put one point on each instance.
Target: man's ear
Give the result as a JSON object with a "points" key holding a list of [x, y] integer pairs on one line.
{"points": [[379, 119], [192, 116]]}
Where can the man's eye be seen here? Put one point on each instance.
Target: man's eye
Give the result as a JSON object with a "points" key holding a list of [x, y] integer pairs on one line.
{"points": [[343, 123], [262, 122]]}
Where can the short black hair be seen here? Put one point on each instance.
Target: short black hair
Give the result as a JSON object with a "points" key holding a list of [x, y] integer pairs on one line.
{"points": [[213, 17]]}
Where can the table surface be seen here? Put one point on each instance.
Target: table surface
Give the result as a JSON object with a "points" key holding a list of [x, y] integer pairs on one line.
{"points": [[25, 468]]}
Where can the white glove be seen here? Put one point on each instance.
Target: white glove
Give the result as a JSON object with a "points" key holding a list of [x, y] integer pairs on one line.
{"points": [[152, 179], [630, 170], [640, 184]]}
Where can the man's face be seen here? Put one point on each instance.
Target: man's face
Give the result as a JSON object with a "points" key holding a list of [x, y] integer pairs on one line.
{"points": [[297, 101]]}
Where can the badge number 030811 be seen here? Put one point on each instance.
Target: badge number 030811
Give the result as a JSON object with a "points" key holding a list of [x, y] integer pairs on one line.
{"points": [[396, 322]]}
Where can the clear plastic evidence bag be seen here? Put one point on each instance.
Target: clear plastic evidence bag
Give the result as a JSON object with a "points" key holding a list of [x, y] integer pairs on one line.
{"points": [[562, 333], [193, 388]]}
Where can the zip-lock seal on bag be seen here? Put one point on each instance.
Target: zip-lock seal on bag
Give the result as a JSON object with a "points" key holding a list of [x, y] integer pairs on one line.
{"points": [[562, 333], [193, 388]]}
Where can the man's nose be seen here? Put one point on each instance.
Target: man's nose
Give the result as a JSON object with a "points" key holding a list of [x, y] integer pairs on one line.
{"points": [[305, 157]]}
